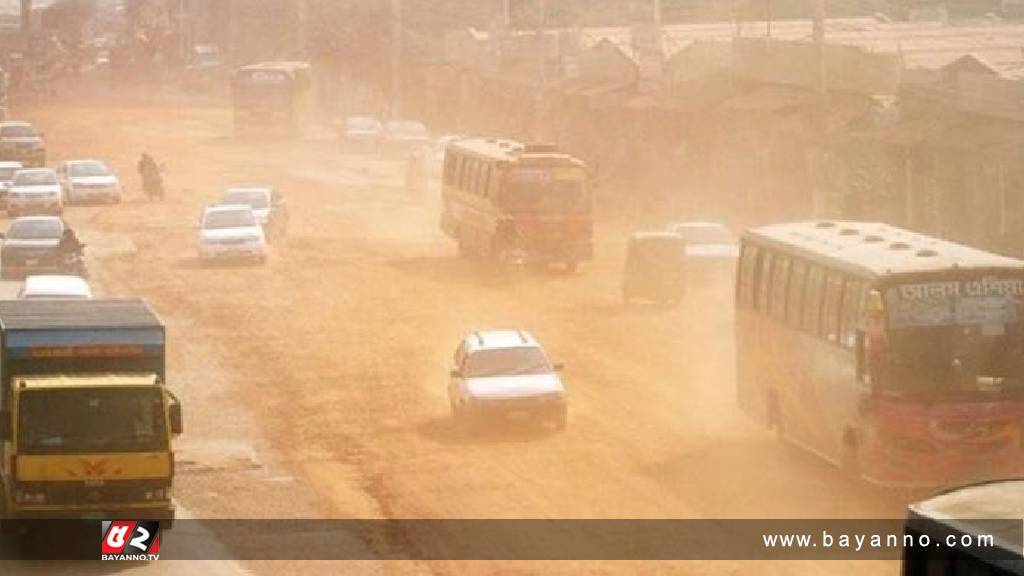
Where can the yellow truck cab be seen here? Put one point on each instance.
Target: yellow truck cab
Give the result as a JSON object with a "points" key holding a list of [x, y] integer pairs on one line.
{"points": [[86, 421]]}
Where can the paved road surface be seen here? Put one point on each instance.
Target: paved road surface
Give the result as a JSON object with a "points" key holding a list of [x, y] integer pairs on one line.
{"points": [[314, 386]]}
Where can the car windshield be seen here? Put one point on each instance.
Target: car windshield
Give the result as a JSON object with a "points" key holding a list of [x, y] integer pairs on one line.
{"points": [[35, 229], [255, 199], [506, 362], [35, 178], [955, 336], [18, 132], [91, 420], [86, 169], [229, 219], [704, 234]]}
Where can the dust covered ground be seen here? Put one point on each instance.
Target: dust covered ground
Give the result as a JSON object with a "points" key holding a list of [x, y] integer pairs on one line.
{"points": [[315, 386]]}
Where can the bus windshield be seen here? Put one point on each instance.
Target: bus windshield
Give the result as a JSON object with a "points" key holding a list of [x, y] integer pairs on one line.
{"points": [[113, 419], [545, 191], [955, 336]]}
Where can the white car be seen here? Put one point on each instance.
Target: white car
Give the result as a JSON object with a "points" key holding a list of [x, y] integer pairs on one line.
{"points": [[707, 240], [35, 191], [361, 134], [55, 287], [7, 170], [505, 374], [255, 197], [87, 181], [231, 231]]}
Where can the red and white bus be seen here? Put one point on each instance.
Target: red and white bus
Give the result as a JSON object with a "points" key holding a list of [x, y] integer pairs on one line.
{"points": [[500, 196], [896, 355]]}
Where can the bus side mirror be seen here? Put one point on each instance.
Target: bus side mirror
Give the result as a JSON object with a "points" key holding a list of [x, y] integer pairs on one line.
{"points": [[174, 411], [6, 427]]}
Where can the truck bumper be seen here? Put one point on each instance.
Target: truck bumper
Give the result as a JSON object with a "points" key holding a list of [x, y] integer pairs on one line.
{"points": [[20, 518]]}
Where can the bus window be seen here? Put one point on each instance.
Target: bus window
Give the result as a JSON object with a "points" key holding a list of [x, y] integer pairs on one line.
{"points": [[492, 190], [780, 274], [797, 279], [764, 282], [748, 269], [481, 180], [812, 299], [853, 297], [449, 169], [474, 167], [463, 171], [831, 307]]}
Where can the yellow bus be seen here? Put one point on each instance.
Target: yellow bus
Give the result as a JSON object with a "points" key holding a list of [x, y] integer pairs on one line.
{"points": [[894, 354], [501, 197]]}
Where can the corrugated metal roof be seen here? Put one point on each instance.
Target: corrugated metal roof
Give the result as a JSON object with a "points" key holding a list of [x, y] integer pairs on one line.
{"points": [[878, 249], [71, 314]]}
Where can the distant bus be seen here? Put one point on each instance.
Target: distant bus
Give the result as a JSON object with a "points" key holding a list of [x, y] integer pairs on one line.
{"points": [[500, 196], [896, 355], [272, 98], [969, 531]]}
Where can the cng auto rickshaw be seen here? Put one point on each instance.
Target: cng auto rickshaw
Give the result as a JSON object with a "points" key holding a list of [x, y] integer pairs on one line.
{"points": [[655, 268]]}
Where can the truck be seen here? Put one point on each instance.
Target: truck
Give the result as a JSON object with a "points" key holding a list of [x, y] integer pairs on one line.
{"points": [[86, 419]]}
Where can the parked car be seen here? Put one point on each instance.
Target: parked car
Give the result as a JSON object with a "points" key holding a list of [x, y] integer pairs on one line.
{"points": [[7, 170], [655, 268], [31, 246], [231, 232], [707, 239], [55, 287], [266, 203], [361, 134], [20, 141], [35, 191], [88, 181], [402, 137], [505, 374]]}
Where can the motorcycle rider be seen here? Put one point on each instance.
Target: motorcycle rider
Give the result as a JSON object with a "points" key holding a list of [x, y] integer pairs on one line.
{"points": [[70, 249], [149, 170]]}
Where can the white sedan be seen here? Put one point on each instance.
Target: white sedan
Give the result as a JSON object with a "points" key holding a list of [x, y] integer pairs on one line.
{"points": [[505, 374], [87, 181], [55, 287], [706, 239], [231, 231]]}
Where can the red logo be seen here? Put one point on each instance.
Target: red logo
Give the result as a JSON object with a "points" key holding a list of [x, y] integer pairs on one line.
{"points": [[130, 540]]}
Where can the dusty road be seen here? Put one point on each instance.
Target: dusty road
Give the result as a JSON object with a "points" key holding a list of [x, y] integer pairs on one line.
{"points": [[314, 386]]}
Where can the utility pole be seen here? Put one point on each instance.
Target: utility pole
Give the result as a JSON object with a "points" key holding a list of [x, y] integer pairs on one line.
{"points": [[396, 59], [506, 13], [302, 27], [542, 13], [820, 111], [26, 24], [657, 13], [768, 16]]}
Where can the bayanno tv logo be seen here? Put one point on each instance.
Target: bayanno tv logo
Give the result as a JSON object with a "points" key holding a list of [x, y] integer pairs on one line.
{"points": [[130, 540]]}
